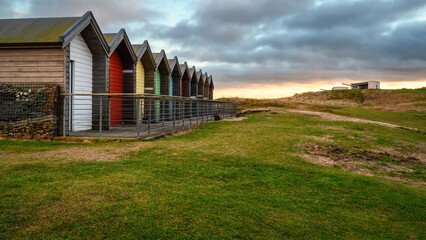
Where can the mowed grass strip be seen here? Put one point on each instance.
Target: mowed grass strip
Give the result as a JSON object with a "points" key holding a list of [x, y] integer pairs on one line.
{"points": [[221, 180]]}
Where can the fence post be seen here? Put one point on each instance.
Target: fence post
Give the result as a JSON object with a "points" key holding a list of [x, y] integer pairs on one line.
{"points": [[149, 117], [164, 114], [174, 113], [100, 116], [190, 112], [202, 111], [64, 124], [137, 117], [182, 112]]}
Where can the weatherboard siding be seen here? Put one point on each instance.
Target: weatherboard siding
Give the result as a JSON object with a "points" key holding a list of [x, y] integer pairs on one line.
{"points": [[157, 92], [32, 66], [171, 86], [140, 78], [206, 90], [81, 111], [116, 86], [157, 82], [200, 90]]}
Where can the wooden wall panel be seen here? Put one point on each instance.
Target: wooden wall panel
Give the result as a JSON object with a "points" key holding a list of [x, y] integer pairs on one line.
{"points": [[194, 86], [200, 90], [81, 112], [116, 86], [33, 66], [140, 77]]}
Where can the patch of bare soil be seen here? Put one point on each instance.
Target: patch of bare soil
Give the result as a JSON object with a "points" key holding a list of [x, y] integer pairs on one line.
{"points": [[83, 153], [364, 162]]}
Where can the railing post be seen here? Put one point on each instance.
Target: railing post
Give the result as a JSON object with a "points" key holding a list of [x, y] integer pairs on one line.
{"points": [[149, 117], [202, 111], [182, 111], [100, 116], [137, 117], [174, 113], [190, 112], [64, 123], [164, 113]]}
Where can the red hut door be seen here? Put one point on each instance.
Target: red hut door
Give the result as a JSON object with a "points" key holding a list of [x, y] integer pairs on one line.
{"points": [[116, 86]]}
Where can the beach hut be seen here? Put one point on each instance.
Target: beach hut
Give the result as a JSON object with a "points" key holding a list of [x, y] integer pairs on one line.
{"points": [[211, 88], [206, 86], [145, 74], [162, 81], [69, 51], [175, 77], [145, 68], [194, 82], [122, 60], [186, 78], [175, 83], [200, 84]]}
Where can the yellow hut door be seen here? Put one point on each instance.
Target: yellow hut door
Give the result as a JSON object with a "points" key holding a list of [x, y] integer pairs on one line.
{"points": [[140, 85]]}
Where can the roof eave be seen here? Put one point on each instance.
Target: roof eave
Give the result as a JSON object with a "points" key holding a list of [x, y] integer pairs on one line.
{"points": [[79, 26], [29, 45]]}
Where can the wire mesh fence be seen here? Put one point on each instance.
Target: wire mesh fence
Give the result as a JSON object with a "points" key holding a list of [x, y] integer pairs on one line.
{"points": [[137, 115], [29, 110]]}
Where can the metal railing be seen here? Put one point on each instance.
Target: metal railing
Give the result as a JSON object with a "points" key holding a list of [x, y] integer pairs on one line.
{"points": [[137, 115]]}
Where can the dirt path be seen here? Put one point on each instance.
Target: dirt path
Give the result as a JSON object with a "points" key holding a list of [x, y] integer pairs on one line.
{"points": [[334, 117]]}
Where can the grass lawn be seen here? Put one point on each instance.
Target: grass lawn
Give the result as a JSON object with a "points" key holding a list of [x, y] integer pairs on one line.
{"points": [[243, 179], [406, 119]]}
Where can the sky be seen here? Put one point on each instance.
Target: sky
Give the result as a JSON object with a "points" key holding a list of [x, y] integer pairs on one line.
{"points": [[267, 48]]}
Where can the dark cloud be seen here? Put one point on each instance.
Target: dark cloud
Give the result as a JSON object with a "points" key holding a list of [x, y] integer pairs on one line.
{"points": [[109, 13], [270, 41], [282, 41]]}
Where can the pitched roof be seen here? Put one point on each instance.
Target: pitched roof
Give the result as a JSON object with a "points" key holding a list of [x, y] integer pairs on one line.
{"points": [[143, 49], [192, 71], [47, 31], [34, 30], [109, 37], [115, 39], [174, 63], [206, 78], [161, 57], [184, 68], [199, 75], [211, 82]]}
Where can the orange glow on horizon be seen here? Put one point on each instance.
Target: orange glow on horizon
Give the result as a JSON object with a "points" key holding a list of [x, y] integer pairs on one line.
{"points": [[289, 89]]}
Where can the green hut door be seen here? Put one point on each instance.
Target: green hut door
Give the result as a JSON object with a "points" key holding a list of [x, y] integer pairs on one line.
{"points": [[157, 92]]}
